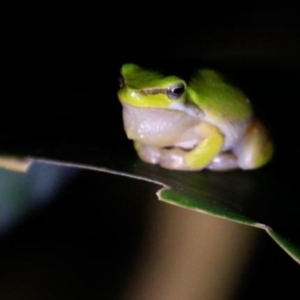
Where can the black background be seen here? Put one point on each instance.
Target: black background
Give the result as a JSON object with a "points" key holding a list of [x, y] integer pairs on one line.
{"points": [[62, 69]]}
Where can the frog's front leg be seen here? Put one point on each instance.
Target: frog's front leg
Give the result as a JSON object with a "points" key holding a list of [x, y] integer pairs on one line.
{"points": [[170, 158], [211, 142], [255, 149], [208, 148], [210, 145]]}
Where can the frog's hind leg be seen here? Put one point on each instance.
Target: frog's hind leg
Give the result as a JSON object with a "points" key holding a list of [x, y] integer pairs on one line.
{"points": [[255, 149]]}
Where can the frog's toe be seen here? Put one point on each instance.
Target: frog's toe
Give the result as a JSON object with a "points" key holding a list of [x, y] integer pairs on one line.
{"points": [[224, 162]]}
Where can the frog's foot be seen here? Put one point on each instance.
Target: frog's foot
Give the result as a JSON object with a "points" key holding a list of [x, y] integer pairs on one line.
{"points": [[148, 154], [174, 159], [169, 158], [224, 162]]}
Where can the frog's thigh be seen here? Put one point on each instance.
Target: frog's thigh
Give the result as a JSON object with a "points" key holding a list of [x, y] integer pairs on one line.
{"points": [[207, 149], [256, 148], [147, 153]]}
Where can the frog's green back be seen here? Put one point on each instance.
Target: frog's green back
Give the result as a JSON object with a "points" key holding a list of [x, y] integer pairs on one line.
{"points": [[217, 98], [138, 78]]}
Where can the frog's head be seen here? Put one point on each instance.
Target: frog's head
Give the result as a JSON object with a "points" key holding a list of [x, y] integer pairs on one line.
{"points": [[146, 88]]}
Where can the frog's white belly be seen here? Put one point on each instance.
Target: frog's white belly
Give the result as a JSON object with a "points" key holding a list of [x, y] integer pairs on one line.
{"points": [[160, 127]]}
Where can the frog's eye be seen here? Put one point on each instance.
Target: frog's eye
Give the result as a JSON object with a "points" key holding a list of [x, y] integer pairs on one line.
{"points": [[121, 81], [175, 91]]}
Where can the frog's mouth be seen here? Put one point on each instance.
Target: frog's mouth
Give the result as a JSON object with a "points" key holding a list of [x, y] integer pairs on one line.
{"points": [[156, 126]]}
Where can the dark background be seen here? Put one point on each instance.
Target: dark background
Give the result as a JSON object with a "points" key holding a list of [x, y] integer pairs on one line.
{"points": [[53, 59], [63, 66]]}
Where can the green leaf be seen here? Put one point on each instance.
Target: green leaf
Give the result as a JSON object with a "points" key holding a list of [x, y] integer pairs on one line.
{"points": [[76, 134], [286, 244]]}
